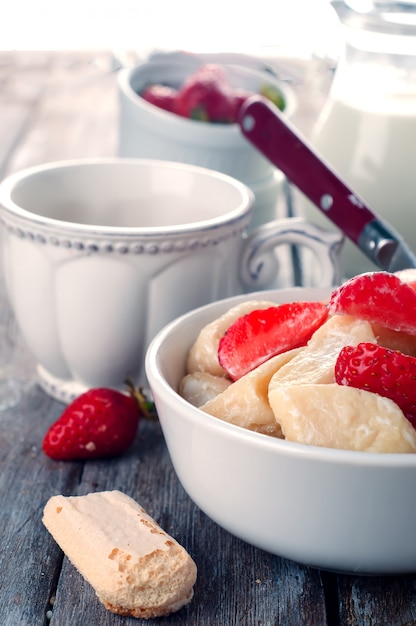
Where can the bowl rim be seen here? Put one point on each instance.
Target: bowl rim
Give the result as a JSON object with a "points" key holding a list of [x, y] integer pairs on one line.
{"points": [[251, 438], [232, 219]]}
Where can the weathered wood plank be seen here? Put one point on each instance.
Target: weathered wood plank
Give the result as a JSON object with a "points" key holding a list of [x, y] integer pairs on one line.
{"points": [[18, 98], [377, 601], [237, 585], [57, 107], [29, 559]]}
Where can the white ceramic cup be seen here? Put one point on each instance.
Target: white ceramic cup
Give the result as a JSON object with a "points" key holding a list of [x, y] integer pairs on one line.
{"points": [[100, 254]]}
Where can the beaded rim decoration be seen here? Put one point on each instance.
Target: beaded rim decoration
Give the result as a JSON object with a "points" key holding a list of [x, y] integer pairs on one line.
{"points": [[130, 244]]}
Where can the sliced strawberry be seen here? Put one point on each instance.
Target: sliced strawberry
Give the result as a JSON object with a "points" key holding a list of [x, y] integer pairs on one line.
{"points": [[387, 372], [378, 297], [239, 97], [254, 338], [161, 96]]}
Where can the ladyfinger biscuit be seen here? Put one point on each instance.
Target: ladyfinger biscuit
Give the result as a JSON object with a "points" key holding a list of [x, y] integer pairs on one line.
{"points": [[134, 566]]}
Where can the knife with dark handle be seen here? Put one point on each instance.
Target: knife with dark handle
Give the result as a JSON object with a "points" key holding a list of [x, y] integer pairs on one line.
{"points": [[277, 139]]}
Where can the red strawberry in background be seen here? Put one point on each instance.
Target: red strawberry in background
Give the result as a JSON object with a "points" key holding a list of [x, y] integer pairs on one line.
{"points": [[378, 297], [261, 334], [206, 96], [161, 96], [239, 97], [99, 423], [387, 372]]}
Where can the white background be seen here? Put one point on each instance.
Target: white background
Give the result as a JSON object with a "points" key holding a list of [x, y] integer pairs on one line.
{"points": [[303, 26]]}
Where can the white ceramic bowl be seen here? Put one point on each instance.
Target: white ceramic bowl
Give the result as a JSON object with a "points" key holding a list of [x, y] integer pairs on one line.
{"points": [[148, 131], [333, 509]]}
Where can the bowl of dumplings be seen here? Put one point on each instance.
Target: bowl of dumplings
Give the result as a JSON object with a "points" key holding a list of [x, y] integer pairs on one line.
{"points": [[282, 456]]}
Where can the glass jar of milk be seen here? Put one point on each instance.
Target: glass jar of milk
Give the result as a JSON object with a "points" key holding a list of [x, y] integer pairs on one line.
{"points": [[367, 129]]}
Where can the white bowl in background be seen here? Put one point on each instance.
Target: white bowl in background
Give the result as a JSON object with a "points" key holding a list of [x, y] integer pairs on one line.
{"points": [[150, 132], [333, 509], [267, 194]]}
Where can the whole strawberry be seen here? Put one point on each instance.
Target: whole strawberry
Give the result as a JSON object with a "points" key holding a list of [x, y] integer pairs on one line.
{"points": [[389, 373], [161, 96], [378, 297], [99, 423], [206, 96]]}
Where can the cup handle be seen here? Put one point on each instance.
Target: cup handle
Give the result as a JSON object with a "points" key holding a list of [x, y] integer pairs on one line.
{"points": [[259, 266]]}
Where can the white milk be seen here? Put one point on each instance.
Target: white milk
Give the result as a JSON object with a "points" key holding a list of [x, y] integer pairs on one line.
{"points": [[373, 148]]}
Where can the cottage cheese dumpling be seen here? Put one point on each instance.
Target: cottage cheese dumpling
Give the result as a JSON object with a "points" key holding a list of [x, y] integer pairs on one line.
{"points": [[135, 567], [245, 402], [316, 362], [341, 417], [200, 387], [203, 355]]}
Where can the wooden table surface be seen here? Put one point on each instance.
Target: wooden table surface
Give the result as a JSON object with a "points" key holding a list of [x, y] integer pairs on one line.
{"points": [[54, 106]]}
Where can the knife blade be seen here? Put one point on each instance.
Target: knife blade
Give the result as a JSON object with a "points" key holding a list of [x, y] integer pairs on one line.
{"points": [[278, 140]]}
